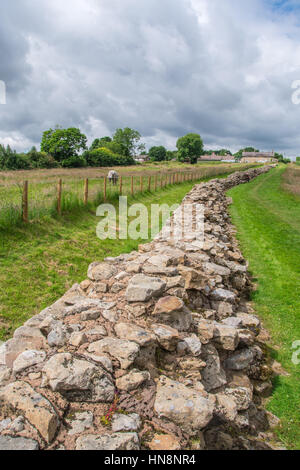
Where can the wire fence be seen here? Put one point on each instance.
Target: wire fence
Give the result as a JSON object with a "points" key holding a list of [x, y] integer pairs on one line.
{"points": [[25, 201]]}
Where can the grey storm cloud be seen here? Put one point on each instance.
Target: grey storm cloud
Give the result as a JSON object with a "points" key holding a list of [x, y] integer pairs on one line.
{"points": [[222, 69]]}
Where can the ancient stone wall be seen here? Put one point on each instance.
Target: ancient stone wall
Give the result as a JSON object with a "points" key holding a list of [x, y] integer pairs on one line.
{"points": [[158, 349]]}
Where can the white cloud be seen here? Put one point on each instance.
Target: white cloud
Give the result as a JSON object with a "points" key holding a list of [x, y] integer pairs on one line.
{"points": [[223, 69]]}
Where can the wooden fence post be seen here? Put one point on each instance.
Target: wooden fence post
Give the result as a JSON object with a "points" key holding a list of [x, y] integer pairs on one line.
{"points": [[155, 183], [59, 192], [105, 189], [141, 184], [149, 184], [132, 186], [25, 202], [86, 191]]}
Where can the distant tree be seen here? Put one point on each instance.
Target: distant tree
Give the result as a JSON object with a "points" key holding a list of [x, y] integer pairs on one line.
{"points": [[40, 159], [158, 154], [279, 157], [171, 155], [238, 155], [63, 144], [102, 142], [223, 152], [129, 141], [106, 142], [11, 160], [190, 147], [105, 157]]}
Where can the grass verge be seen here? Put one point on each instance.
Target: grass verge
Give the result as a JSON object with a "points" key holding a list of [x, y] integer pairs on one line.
{"points": [[268, 222]]}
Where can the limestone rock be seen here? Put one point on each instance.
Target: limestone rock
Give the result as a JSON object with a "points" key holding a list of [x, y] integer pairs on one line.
{"points": [[117, 287], [133, 380], [242, 397], [104, 361], [130, 422], [5, 374], [226, 408], [131, 332], [122, 275], [124, 351], [82, 304], [134, 267], [117, 441], [28, 359], [77, 339], [97, 331], [234, 322], [78, 380], [212, 268], [20, 396], [160, 270], [224, 295], [193, 345], [5, 424], [17, 443], [92, 314], [142, 288], [18, 425], [224, 309], [249, 321], [246, 337], [101, 271], [172, 311], [164, 442], [240, 360], [81, 421], [184, 406], [57, 337], [32, 340], [193, 278], [168, 305], [213, 376], [167, 337], [226, 337], [206, 330]]}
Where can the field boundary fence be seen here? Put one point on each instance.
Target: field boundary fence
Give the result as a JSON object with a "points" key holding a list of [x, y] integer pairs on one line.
{"points": [[27, 201]]}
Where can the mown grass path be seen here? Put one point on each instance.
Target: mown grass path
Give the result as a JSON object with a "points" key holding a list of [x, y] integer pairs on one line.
{"points": [[268, 223]]}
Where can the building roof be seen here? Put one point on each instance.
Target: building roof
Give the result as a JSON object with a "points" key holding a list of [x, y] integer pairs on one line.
{"points": [[212, 157], [258, 154]]}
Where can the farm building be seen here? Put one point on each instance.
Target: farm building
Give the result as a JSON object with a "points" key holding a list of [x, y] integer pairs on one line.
{"points": [[259, 157], [216, 158], [210, 158]]}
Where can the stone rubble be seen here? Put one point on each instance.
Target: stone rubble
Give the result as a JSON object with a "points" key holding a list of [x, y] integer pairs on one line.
{"points": [[157, 349]]}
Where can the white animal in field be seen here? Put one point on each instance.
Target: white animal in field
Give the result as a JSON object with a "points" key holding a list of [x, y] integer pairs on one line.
{"points": [[113, 177]]}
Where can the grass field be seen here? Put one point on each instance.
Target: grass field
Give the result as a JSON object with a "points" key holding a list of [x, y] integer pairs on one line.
{"points": [[43, 186], [266, 213]]}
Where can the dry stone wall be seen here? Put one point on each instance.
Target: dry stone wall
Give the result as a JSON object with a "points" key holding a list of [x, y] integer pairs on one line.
{"points": [[157, 349]]}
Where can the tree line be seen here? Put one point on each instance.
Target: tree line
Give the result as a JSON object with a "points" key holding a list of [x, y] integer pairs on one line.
{"points": [[67, 148]]}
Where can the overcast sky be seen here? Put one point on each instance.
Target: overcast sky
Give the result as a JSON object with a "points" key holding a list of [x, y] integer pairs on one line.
{"points": [[221, 68]]}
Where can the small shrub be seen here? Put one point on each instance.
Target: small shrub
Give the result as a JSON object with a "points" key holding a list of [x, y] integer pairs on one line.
{"points": [[106, 157], [76, 161]]}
